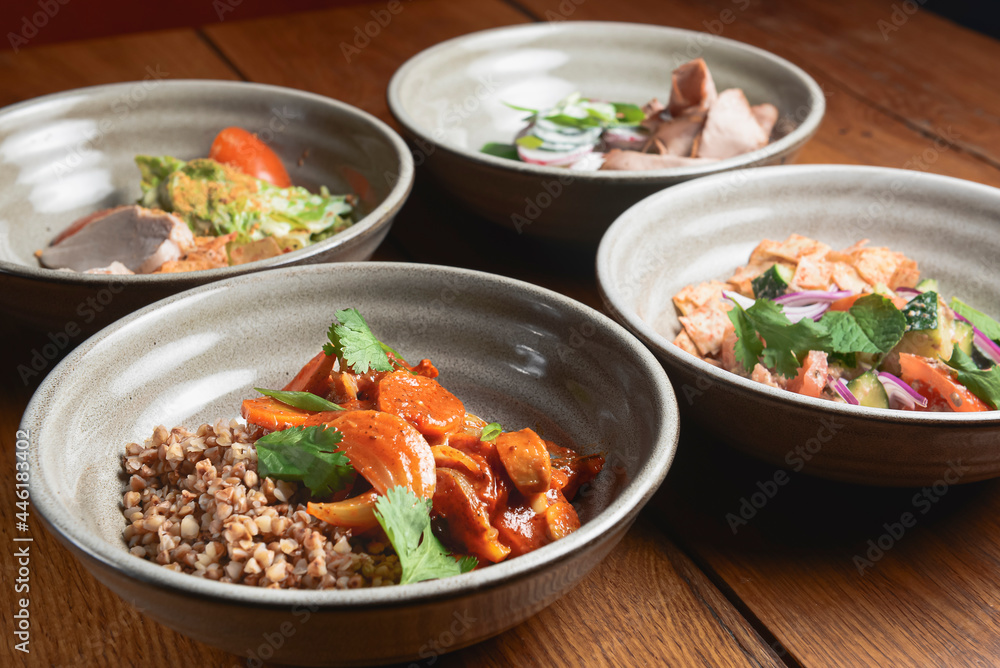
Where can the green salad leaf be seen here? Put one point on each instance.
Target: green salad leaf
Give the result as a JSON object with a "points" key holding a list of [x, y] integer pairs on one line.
{"points": [[985, 323], [784, 340], [406, 520], [882, 323], [508, 151], [628, 114], [307, 455], [307, 401], [353, 341], [984, 383]]}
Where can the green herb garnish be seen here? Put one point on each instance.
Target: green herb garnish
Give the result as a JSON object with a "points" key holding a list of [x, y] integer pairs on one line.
{"points": [[307, 401], [307, 455], [986, 324], [508, 151], [491, 431], [785, 340], [407, 522], [353, 342], [984, 383]]}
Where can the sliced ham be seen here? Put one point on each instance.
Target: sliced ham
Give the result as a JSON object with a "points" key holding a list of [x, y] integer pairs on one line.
{"points": [[139, 239], [731, 128], [677, 136], [766, 115], [692, 88], [652, 109], [616, 159]]}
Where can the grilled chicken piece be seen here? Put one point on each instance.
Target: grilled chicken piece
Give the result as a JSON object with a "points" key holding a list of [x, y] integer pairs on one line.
{"points": [[140, 239], [731, 128], [633, 160], [693, 88]]}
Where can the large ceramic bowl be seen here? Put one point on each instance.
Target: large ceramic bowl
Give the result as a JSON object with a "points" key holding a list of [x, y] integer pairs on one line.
{"points": [[513, 352], [705, 229], [450, 99], [69, 154]]}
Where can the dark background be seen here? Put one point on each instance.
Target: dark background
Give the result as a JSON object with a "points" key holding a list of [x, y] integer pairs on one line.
{"points": [[86, 19]]}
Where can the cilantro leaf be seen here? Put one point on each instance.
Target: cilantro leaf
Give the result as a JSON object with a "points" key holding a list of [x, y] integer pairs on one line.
{"points": [[985, 323], [406, 520], [748, 347], [880, 320], [985, 384], [353, 342], [307, 401], [491, 431], [307, 455], [783, 340]]}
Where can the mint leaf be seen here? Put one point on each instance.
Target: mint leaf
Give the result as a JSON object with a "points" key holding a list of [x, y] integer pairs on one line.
{"points": [[353, 342], [307, 455], [985, 384], [748, 347], [491, 431], [508, 151], [784, 340], [846, 335], [406, 520], [880, 320], [985, 323], [307, 401]]}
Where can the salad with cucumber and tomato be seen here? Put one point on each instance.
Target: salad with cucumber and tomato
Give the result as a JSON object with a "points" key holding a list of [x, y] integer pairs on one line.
{"points": [[856, 326], [236, 206]]}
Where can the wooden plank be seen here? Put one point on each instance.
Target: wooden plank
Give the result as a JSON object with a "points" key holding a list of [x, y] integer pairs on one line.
{"points": [[175, 54]]}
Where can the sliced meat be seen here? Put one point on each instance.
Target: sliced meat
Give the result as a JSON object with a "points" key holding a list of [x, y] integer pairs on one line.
{"points": [[677, 136], [731, 128], [692, 89], [617, 159], [766, 115], [652, 109], [140, 239]]}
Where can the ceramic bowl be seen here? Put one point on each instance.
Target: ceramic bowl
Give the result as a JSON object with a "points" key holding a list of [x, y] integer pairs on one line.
{"points": [[68, 154], [673, 239], [513, 352], [449, 100]]}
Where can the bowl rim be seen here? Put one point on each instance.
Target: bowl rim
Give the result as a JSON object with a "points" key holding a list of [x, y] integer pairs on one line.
{"points": [[802, 132], [375, 219], [622, 509], [615, 301]]}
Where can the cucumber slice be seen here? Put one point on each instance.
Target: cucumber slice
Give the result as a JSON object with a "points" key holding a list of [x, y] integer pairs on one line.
{"points": [[963, 336], [869, 390], [772, 283], [937, 342], [928, 285], [922, 312]]}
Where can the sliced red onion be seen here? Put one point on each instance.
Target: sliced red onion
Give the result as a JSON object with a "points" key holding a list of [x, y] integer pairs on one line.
{"points": [[809, 296], [986, 345], [908, 291], [625, 138], [737, 298], [552, 158], [845, 393], [900, 393], [814, 311]]}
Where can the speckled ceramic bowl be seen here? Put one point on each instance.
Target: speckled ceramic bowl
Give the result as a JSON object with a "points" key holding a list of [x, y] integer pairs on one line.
{"points": [[674, 238], [68, 154], [450, 100], [513, 352]]}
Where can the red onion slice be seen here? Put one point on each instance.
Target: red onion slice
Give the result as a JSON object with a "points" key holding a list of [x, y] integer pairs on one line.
{"points": [[814, 311], [552, 158], [845, 393], [900, 392], [809, 296], [985, 344]]}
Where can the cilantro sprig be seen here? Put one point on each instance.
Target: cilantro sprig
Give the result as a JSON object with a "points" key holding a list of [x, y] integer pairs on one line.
{"points": [[406, 520], [873, 325], [352, 340], [307, 455], [307, 401]]}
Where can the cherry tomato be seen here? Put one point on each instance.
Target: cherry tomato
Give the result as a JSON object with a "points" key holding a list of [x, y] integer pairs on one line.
{"points": [[240, 149]]}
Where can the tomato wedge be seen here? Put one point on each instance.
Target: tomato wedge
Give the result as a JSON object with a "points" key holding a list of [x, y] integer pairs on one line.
{"points": [[917, 369], [811, 378], [246, 152]]}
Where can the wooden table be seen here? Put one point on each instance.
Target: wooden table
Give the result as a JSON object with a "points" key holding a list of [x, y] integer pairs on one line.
{"points": [[683, 588]]}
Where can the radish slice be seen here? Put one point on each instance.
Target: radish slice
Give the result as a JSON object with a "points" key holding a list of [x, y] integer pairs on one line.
{"points": [[552, 158], [625, 138]]}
